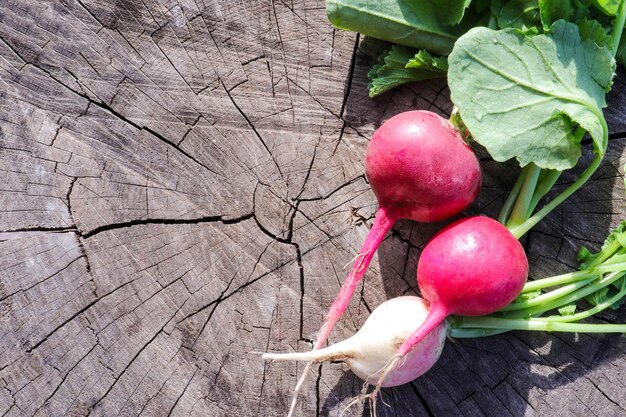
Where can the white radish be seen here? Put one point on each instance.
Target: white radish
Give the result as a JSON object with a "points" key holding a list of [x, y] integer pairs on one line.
{"points": [[376, 344]]}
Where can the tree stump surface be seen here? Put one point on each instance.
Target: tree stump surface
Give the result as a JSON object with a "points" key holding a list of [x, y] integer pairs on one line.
{"points": [[183, 185]]}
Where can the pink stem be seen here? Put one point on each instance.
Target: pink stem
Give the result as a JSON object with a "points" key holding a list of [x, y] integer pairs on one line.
{"points": [[436, 315], [382, 224]]}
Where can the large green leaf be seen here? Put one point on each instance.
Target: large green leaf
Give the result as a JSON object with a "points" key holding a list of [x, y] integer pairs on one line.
{"points": [[608, 7], [520, 96], [413, 23], [401, 65]]}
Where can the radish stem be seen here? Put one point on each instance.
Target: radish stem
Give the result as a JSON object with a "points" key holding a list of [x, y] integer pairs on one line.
{"points": [[382, 225], [569, 277], [523, 228], [539, 324]]}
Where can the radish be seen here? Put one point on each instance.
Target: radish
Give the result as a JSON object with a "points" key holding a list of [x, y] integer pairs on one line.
{"points": [[474, 266], [420, 169], [376, 343]]}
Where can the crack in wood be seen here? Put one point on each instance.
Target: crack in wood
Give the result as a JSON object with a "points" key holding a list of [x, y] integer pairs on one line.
{"points": [[171, 410], [350, 75], [117, 378], [34, 231], [256, 132], [56, 389], [200, 220]]}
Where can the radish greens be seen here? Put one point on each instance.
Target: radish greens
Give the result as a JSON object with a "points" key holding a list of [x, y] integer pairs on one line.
{"points": [[537, 87], [403, 64]]}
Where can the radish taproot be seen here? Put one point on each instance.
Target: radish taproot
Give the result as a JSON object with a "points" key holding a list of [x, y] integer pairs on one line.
{"points": [[376, 343], [420, 169]]}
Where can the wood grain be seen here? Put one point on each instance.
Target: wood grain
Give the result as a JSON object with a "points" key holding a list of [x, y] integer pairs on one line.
{"points": [[182, 186]]}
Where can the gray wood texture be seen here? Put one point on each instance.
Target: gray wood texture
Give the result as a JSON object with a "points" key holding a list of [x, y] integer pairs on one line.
{"points": [[182, 185]]}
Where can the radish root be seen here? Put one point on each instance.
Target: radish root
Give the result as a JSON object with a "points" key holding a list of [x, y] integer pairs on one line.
{"points": [[395, 361], [354, 260], [296, 390]]}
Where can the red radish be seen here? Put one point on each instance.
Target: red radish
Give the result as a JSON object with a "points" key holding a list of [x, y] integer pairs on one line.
{"points": [[376, 343], [473, 267], [420, 169]]}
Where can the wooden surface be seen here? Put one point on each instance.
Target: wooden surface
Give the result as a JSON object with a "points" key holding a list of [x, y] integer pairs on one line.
{"points": [[182, 185]]}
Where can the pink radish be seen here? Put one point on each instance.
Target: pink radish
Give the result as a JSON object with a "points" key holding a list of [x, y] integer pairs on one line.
{"points": [[473, 267], [420, 169], [376, 343]]}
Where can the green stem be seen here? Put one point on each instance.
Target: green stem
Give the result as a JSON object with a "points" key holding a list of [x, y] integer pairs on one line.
{"points": [[522, 229], [570, 298], [570, 277], [613, 266], [457, 333], [484, 332], [616, 263], [520, 210], [618, 27], [510, 201], [544, 186], [548, 297], [538, 324], [605, 254], [590, 312]]}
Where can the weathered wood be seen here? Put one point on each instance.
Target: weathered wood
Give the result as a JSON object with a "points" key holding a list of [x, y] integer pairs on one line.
{"points": [[182, 187]]}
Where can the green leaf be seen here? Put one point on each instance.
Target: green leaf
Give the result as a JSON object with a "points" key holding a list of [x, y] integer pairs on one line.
{"points": [[426, 62], [598, 297], [603, 294], [591, 29], [402, 65], [608, 7], [613, 242], [567, 310], [616, 305], [451, 12], [553, 10], [519, 14], [619, 285], [525, 296], [584, 256], [413, 23], [618, 234], [520, 96]]}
